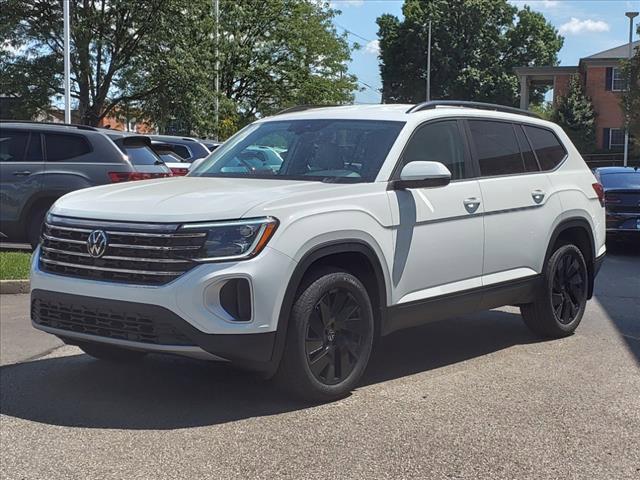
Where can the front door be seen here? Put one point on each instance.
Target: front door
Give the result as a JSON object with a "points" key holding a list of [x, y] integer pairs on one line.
{"points": [[439, 232]]}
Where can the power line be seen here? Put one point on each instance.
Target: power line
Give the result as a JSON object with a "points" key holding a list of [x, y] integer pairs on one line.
{"points": [[352, 33]]}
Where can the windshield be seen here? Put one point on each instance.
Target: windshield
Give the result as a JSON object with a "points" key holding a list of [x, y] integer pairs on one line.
{"points": [[322, 150]]}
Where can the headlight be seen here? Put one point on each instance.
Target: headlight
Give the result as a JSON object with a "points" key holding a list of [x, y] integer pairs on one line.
{"points": [[233, 240]]}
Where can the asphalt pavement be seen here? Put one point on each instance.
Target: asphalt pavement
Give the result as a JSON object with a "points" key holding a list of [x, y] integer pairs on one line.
{"points": [[473, 397]]}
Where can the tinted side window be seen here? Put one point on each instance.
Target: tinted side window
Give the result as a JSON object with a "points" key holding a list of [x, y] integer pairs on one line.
{"points": [[496, 147], [34, 150], [548, 148], [12, 145], [62, 147], [182, 151], [438, 142], [529, 159]]}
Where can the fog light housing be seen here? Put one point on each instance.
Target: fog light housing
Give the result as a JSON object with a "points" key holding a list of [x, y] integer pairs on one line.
{"points": [[235, 299]]}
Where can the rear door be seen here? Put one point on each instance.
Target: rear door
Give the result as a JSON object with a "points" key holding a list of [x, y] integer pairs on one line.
{"points": [[21, 169], [518, 208]]}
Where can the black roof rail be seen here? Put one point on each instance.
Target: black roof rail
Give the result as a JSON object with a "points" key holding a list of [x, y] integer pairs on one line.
{"points": [[302, 108], [55, 124], [466, 104]]}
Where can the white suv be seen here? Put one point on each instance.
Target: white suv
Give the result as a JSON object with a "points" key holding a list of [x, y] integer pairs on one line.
{"points": [[309, 234]]}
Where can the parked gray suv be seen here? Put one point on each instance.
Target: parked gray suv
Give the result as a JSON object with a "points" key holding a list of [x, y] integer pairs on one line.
{"points": [[40, 162]]}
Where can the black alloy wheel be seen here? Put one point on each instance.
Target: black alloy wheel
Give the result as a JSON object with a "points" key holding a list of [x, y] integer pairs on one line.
{"points": [[334, 338], [569, 287]]}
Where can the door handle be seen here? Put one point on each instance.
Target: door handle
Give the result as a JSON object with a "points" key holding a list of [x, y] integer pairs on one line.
{"points": [[22, 173], [471, 204], [538, 196]]}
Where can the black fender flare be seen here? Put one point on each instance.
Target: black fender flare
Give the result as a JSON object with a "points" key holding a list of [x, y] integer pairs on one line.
{"points": [[583, 224], [317, 253]]}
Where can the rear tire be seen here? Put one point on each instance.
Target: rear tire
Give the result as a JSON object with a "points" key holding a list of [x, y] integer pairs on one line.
{"points": [[330, 337], [111, 354], [560, 304]]}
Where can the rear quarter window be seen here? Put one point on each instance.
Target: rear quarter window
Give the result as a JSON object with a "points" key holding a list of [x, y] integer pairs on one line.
{"points": [[548, 148], [61, 147]]}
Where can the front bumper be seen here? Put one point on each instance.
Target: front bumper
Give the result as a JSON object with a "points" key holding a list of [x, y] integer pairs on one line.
{"points": [[139, 326], [190, 305]]}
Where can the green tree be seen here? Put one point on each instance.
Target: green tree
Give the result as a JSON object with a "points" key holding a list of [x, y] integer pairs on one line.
{"points": [[631, 97], [574, 112], [475, 46], [106, 37], [158, 57], [273, 54]]}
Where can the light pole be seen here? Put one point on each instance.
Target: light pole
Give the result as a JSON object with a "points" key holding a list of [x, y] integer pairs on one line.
{"points": [[216, 8], [67, 62], [631, 16], [429, 64]]}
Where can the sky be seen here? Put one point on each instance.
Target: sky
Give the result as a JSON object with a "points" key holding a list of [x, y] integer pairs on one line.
{"points": [[588, 26]]}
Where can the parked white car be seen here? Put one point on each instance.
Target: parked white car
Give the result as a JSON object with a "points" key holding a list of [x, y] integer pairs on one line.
{"points": [[379, 218]]}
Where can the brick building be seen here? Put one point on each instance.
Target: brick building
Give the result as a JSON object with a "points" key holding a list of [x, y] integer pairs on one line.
{"points": [[603, 82]]}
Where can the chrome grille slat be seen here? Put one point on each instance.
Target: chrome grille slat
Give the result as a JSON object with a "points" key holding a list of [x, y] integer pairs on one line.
{"points": [[115, 257], [68, 240], [153, 247], [139, 254], [159, 235], [106, 269]]}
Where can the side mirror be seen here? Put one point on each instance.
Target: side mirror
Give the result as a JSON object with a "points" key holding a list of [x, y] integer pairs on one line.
{"points": [[423, 175]]}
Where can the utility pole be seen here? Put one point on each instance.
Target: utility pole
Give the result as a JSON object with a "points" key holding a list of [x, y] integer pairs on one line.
{"points": [[429, 64], [67, 62], [216, 7], [631, 16]]}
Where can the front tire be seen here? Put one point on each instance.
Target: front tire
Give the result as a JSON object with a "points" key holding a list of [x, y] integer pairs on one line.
{"points": [[560, 304], [111, 354], [330, 337]]}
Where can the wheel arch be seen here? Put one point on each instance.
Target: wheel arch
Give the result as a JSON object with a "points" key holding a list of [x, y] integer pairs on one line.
{"points": [[356, 256], [578, 231]]}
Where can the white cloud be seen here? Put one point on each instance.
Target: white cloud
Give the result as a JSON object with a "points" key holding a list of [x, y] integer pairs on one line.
{"points": [[576, 26], [373, 47], [346, 3], [535, 4]]}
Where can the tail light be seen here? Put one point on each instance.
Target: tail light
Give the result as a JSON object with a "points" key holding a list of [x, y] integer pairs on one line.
{"points": [[599, 189], [117, 177], [179, 171]]}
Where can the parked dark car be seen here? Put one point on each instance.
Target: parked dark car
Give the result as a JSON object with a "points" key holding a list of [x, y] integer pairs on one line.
{"points": [[166, 152], [188, 148], [40, 162], [210, 144], [622, 200]]}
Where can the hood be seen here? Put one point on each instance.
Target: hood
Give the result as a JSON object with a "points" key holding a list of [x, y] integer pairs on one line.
{"points": [[179, 199]]}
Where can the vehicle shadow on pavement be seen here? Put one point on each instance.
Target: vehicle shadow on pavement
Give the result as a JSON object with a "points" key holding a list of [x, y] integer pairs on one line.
{"points": [[164, 392], [619, 293]]}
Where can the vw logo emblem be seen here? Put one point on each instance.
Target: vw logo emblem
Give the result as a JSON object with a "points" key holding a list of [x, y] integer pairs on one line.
{"points": [[97, 243]]}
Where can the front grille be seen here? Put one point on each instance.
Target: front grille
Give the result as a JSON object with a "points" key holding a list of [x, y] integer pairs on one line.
{"points": [[135, 253], [105, 322]]}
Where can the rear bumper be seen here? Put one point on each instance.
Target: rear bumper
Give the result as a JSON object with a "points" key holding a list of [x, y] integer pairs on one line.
{"points": [[140, 326]]}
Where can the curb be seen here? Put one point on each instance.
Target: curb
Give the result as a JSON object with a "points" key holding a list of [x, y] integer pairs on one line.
{"points": [[14, 286]]}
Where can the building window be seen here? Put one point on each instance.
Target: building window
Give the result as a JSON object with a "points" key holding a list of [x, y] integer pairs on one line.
{"points": [[616, 138], [617, 80]]}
